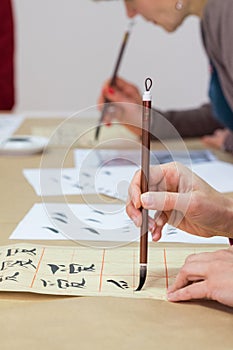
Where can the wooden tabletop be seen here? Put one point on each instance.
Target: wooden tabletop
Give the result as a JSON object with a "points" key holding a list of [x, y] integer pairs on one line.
{"points": [[31, 321]]}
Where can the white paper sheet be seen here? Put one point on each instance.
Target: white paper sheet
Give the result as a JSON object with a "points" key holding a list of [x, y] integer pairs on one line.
{"points": [[173, 234], [112, 181], [60, 221], [218, 174], [93, 222], [85, 158]]}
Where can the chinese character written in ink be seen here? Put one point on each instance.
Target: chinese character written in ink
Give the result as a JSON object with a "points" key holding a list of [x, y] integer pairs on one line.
{"points": [[71, 269], [64, 284], [12, 252], [120, 284], [10, 278], [21, 263]]}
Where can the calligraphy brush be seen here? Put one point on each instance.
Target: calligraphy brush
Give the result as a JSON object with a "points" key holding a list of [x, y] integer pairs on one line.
{"points": [[145, 164], [113, 79]]}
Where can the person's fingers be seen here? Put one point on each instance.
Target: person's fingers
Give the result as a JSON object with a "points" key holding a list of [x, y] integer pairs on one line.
{"points": [[151, 225], [198, 290], [134, 214], [101, 98], [110, 93], [128, 89], [172, 177], [116, 95], [210, 141], [135, 190], [190, 272], [110, 112], [165, 201], [160, 220], [219, 132], [169, 177]]}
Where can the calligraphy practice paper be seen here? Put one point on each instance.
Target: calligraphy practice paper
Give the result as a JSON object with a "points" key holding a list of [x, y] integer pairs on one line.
{"points": [[57, 182], [93, 222], [90, 272], [218, 174], [122, 157], [112, 181], [173, 234]]}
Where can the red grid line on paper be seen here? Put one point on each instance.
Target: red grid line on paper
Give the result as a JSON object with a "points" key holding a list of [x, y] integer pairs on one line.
{"points": [[37, 269], [101, 271], [165, 266]]}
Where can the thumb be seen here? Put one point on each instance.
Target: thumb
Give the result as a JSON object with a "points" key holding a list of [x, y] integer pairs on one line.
{"points": [[165, 201]]}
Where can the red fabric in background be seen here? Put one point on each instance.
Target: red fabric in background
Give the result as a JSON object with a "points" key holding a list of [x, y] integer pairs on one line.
{"points": [[7, 97]]}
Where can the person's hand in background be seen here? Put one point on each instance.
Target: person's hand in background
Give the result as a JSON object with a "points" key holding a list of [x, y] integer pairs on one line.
{"points": [[125, 107], [217, 139]]}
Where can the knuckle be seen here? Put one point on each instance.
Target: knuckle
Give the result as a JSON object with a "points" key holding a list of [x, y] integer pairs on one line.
{"points": [[190, 258]]}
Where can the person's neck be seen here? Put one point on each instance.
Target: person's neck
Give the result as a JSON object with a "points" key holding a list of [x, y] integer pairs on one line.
{"points": [[197, 7]]}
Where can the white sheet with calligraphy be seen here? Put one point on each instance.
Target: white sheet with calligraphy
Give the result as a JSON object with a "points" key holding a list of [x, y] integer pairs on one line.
{"points": [[90, 272]]}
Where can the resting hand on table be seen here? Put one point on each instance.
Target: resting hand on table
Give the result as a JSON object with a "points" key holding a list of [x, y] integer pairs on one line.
{"points": [[126, 104], [181, 199], [217, 139], [212, 274]]}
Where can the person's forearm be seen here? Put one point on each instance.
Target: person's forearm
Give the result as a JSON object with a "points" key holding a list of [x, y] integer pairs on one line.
{"points": [[186, 123]]}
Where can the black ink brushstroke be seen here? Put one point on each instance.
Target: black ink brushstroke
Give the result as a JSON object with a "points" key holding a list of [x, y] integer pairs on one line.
{"points": [[98, 212], [94, 220], [86, 174], [51, 229], [124, 284], [66, 177], [60, 219], [54, 179], [78, 186], [60, 214], [90, 268], [92, 230], [116, 283], [171, 232]]}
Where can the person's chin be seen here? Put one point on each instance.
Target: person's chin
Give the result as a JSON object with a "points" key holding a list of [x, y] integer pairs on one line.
{"points": [[168, 29]]}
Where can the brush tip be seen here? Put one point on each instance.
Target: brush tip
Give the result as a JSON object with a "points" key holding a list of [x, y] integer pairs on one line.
{"points": [[143, 273]]}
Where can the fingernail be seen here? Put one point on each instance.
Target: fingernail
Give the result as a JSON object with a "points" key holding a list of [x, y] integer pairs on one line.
{"points": [[155, 236], [171, 296], [108, 124], [151, 227], [111, 90], [159, 222], [146, 199]]}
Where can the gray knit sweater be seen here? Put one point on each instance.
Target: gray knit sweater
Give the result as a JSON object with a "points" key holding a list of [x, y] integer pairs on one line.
{"points": [[217, 28]]}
